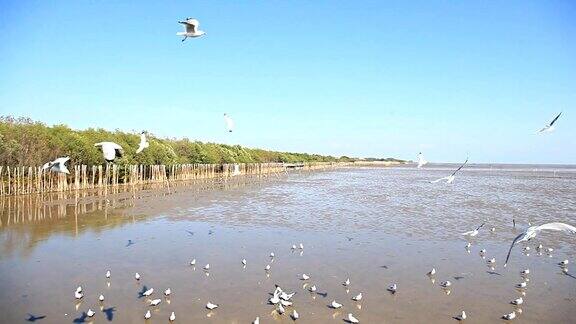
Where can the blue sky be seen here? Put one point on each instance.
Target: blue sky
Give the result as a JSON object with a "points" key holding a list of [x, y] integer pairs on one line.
{"points": [[357, 78]]}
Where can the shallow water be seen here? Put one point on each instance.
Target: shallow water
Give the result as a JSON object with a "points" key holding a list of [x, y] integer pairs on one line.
{"points": [[376, 226]]}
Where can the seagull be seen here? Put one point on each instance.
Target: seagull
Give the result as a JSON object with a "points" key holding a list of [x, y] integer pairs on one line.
{"points": [[58, 165], [143, 143], [305, 276], [493, 260], [475, 231], [482, 252], [335, 305], [510, 316], [518, 301], [450, 178], [521, 285], [280, 309], [79, 289], [193, 262], [461, 317], [468, 245], [257, 320], [148, 292], [393, 288], [167, 292], [285, 303], [564, 263], [207, 267], [286, 296], [347, 282], [155, 302], [357, 297], [275, 299], [147, 315], [313, 288], [293, 246], [550, 127], [211, 306], [446, 284], [90, 312], [78, 295], [295, 315], [229, 123], [525, 272], [272, 254], [532, 231], [101, 298], [267, 268], [432, 272], [190, 28], [108, 274], [110, 150], [352, 319], [421, 161], [301, 246], [172, 317], [137, 276]]}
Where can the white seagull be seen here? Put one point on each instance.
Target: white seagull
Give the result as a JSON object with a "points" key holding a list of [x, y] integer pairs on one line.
{"points": [[510, 316], [335, 305], [211, 306], [393, 288], [305, 276], [137, 276], [155, 302], [143, 143], [147, 315], [532, 231], [518, 301], [190, 28], [462, 316], [352, 319], [108, 274], [550, 127], [295, 315], [167, 292], [421, 160], [172, 317], [229, 123], [450, 178], [432, 272], [58, 165], [101, 298], [148, 292], [110, 150], [475, 231], [357, 297], [90, 312]]}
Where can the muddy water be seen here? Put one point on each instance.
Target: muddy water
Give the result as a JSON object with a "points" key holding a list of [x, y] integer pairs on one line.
{"points": [[375, 226]]}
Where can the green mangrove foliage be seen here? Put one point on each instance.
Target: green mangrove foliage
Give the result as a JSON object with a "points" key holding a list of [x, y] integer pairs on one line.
{"points": [[24, 142]]}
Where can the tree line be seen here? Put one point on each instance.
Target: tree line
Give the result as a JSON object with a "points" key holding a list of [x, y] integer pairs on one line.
{"points": [[24, 142]]}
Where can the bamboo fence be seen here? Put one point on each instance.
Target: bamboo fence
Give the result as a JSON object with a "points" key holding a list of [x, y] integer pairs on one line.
{"points": [[32, 180]]}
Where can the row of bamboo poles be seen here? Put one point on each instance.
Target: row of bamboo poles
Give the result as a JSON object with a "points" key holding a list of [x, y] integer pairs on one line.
{"points": [[32, 180]]}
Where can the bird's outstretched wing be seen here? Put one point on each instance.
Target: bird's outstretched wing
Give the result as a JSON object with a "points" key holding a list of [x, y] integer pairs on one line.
{"points": [[142, 144], [555, 119], [557, 227], [438, 180], [191, 25], [511, 246], [62, 160], [463, 164]]}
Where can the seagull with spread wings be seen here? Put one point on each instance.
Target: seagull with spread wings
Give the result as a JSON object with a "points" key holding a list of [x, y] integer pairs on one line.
{"points": [[110, 150], [143, 143], [475, 231], [190, 28], [550, 127], [58, 165], [450, 178], [532, 231]]}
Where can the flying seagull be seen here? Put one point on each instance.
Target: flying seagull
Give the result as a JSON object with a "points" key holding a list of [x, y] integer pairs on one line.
{"points": [[474, 232], [450, 178], [421, 160], [110, 150], [532, 231], [58, 165], [143, 143], [550, 127], [229, 123], [190, 28]]}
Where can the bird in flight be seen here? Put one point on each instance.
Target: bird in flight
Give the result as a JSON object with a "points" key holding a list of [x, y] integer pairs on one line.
{"points": [[190, 28], [450, 178], [143, 143], [58, 165], [421, 161], [532, 231], [550, 127], [110, 150], [474, 232], [229, 123]]}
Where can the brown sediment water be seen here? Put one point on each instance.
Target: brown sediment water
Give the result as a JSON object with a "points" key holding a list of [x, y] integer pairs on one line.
{"points": [[376, 226]]}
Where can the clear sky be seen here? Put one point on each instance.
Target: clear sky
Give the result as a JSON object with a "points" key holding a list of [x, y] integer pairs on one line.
{"points": [[356, 78]]}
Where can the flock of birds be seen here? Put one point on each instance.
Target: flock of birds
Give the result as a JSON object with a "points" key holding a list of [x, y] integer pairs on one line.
{"points": [[111, 151], [281, 299]]}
